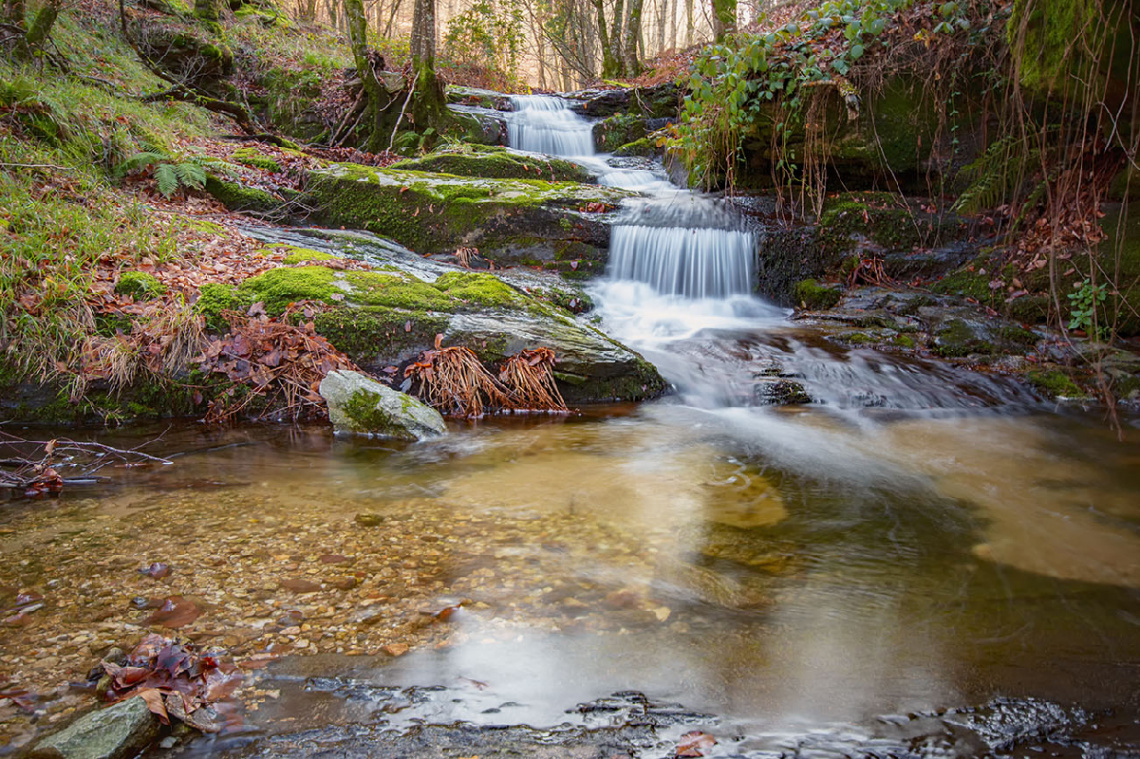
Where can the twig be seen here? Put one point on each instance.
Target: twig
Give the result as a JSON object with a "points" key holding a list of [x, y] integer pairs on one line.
{"points": [[403, 108]]}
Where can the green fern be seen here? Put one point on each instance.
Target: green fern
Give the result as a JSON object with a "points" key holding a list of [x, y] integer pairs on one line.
{"points": [[167, 178], [140, 161], [170, 174], [190, 175], [995, 176]]}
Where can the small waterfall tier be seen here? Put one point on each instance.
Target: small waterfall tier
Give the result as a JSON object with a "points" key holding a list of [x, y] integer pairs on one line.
{"points": [[693, 262], [544, 124]]}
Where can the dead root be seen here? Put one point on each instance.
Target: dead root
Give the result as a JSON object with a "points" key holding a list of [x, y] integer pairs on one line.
{"points": [[869, 271], [528, 377], [453, 381]]}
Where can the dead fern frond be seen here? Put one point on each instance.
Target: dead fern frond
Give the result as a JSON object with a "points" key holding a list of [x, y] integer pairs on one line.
{"points": [[528, 377]]}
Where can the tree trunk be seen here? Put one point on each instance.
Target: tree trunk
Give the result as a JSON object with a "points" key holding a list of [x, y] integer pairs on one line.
{"points": [[690, 30], [378, 101], [724, 18], [429, 104], [14, 13], [41, 27], [632, 38]]}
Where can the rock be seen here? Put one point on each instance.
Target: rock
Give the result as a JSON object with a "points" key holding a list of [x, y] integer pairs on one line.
{"points": [[368, 519], [362, 405], [189, 55], [509, 221], [480, 126], [494, 163], [395, 649], [119, 730], [661, 101]]}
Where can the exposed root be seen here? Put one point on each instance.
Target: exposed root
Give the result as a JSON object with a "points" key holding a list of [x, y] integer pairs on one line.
{"points": [[869, 271], [453, 381], [528, 377]]}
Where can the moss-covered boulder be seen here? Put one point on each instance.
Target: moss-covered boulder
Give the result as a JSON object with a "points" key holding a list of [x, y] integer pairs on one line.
{"points": [[293, 101], [494, 163], [245, 199], [361, 405], [619, 130], [510, 221], [473, 96], [386, 318], [813, 296], [644, 147]]}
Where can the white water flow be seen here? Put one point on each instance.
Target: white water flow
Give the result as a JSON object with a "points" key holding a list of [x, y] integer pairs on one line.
{"points": [[677, 242]]}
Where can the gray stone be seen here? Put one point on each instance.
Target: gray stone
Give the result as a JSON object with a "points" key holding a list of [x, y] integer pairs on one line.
{"points": [[361, 405], [120, 730]]}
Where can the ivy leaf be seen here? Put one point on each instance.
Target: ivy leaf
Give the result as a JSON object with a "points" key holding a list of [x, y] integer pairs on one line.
{"points": [[856, 52]]}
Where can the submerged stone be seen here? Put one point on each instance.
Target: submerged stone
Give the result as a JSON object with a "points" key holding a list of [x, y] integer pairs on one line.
{"points": [[120, 730], [361, 405]]}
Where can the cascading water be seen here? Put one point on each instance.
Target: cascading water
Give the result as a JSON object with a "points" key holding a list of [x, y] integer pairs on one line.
{"points": [[679, 289], [543, 124], [675, 241]]}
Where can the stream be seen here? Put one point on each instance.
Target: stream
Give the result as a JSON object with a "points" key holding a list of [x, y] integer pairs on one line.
{"points": [[924, 561]]}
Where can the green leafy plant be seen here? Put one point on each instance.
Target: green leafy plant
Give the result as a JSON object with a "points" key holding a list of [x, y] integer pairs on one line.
{"points": [[170, 174], [1083, 306]]}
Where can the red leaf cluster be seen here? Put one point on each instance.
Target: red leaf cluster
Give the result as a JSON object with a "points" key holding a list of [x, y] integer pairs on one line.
{"points": [[274, 361], [175, 679]]}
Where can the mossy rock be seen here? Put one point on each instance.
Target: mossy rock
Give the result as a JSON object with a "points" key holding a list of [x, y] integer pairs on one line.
{"points": [[850, 220], [237, 197], [644, 147], [508, 220], [489, 99], [139, 285], [1054, 383], [305, 255], [495, 163], [256, 159], [813, 296], [661, 101], [619, 130]]}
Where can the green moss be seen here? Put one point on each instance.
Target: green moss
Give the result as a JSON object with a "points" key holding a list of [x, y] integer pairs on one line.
{"points": [[970, 281], [364, 411], [214, 298], [813, 296], [139, 285], [618, 130], [301, 255], [1054, 383], [496, 163], [376, 335], [277, 288], [483, 290], [903, 341], [238, 197], [957, 339], [880, 217], [255, 158], [644, 147], [396, 291]]}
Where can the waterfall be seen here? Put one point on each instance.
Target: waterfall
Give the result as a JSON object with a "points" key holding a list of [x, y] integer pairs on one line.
{"points": [[692, 262], [678, 242], [544, 124]]}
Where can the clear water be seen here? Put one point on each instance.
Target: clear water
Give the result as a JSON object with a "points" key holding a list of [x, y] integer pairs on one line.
{"points": [[919, 541]]}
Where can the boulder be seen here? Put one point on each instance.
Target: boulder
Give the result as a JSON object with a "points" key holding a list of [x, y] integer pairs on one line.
{"points": [[119, 730], [387, 317], [359, 404], [661, 101], [495, 163], [186, 52], [561, 225]]}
